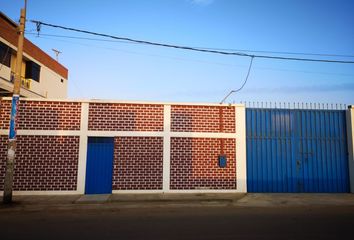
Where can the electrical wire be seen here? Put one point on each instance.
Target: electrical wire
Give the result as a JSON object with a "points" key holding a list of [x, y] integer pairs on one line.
{"points": [[207, 48], [244, 83], [53, 37], [80, 38], [282, 53], [192, 48]]}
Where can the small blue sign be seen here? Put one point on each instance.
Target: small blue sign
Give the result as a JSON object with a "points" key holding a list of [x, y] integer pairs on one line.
{"points": [[222, 161], [13, 116]]}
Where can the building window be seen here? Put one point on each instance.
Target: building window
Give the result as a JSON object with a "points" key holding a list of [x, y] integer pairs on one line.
{"points": [[33, 70], [5, 54]]}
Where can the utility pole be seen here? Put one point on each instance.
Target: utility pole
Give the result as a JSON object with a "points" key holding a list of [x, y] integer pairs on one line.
{"points": [[8, 183]]}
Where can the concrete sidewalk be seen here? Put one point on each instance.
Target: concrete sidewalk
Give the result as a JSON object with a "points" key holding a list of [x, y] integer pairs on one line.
{"points": [[176, 199], [163, 198], [296, 199]]}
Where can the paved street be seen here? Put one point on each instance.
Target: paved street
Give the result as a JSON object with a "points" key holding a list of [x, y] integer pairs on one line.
{"points": [[161, 221]]}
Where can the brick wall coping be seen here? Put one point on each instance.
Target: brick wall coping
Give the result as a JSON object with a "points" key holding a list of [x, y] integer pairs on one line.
{"points": [[124, 102]]}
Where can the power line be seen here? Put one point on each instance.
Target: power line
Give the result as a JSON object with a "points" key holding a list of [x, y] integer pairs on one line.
{"points": [[207, 48], [81, 38], [244, 83], [44, 36], [39, 23], [283, 53]]}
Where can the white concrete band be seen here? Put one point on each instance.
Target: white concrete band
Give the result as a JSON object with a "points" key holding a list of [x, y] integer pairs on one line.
{"points": [[58, 192], [43, 132], [137, 191], [166, 149], [121, 133], [127, 102], [350, 136], [241, 157], [81, 172], [177, 191]]}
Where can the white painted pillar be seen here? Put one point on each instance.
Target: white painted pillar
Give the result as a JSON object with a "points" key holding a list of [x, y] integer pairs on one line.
{"points": [[166, 148], [350, 135], [81, 174], [241, 170]]}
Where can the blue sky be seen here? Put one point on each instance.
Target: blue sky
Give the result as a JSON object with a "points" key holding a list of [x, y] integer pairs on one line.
{"points": [[123, 71]]}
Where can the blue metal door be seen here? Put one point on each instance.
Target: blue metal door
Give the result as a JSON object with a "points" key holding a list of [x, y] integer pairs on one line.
{"points": [[99, 166], [296, 150]]}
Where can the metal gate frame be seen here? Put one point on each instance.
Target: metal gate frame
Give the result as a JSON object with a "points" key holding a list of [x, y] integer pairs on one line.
{"points": [[296, 150]]}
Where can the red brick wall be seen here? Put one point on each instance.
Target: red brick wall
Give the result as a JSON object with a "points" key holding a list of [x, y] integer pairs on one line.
{"points": [[194, 164], [201, 119], [43, 115], [43, 163], [138, 163], [51, 162], [125, 117]]}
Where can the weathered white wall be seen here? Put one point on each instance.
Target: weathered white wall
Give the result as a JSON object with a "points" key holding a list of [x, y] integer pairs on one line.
{"points": [[5, 72], [350, 134], [49, 85]]}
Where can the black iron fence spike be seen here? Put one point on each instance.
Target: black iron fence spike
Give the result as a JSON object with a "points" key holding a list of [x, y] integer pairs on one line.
{"points": [[294, 105]]}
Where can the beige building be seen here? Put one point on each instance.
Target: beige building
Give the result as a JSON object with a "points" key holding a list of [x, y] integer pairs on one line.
{"points": [[41, 76]]}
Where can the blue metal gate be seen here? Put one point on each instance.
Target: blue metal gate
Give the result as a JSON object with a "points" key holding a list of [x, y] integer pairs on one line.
{"points": [[296, 150], [99, 165]]}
